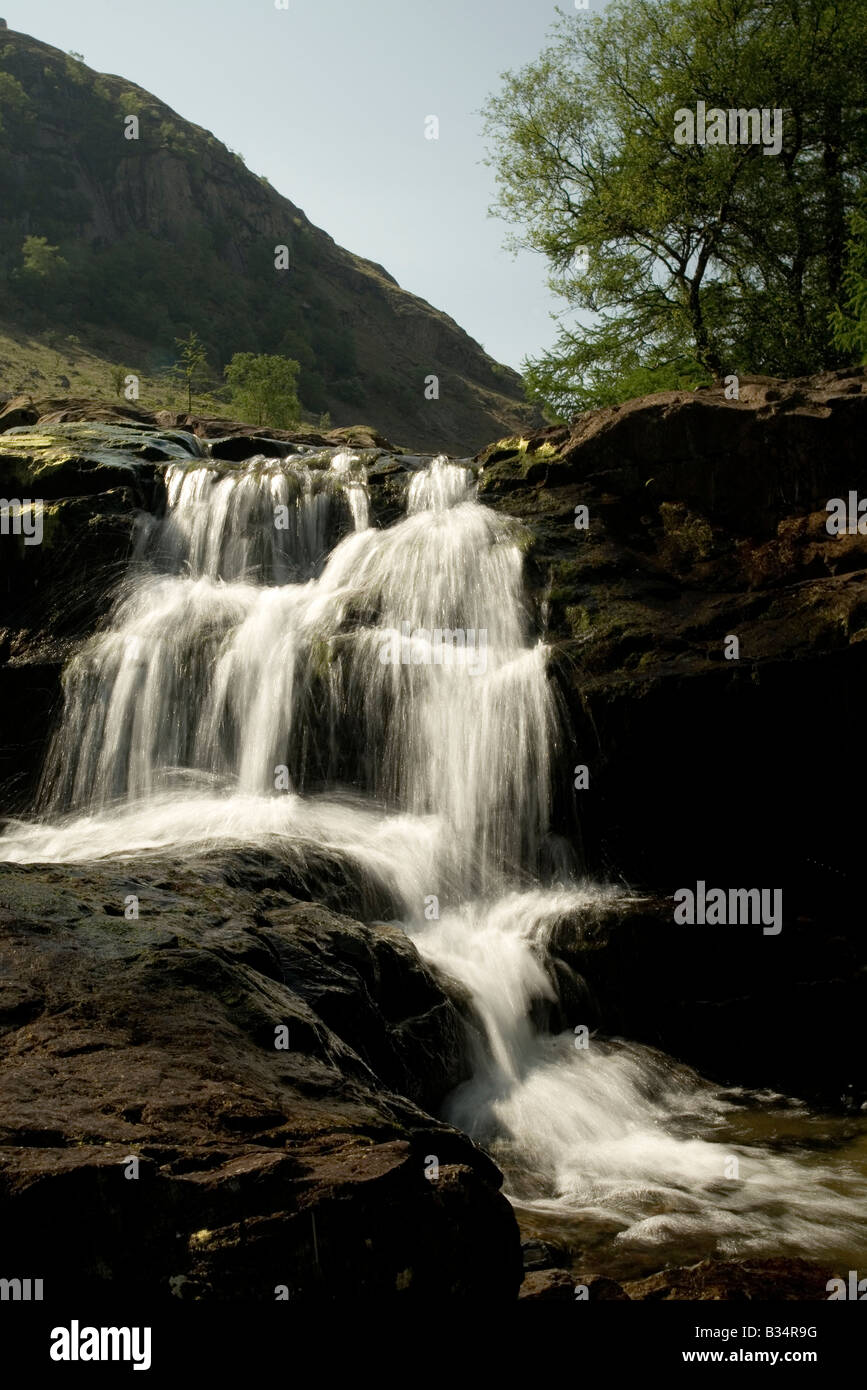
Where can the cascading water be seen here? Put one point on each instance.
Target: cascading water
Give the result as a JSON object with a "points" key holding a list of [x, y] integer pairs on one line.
{"points": [[277, 672]]}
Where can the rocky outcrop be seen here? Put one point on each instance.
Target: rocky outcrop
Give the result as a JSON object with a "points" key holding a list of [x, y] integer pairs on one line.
{"points": [[92, 483], [268, 1065], [232, 440], [732, 1010], [706, 520]]}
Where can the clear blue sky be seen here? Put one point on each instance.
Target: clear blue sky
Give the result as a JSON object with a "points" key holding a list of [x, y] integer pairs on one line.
{"points": [[328, 99]]}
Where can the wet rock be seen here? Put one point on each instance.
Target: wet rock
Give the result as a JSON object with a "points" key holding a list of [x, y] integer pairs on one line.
{"points": [[730, 1009], [548, 1286], [83, 459], [259, 1167], [359, 437], [736, 1281], [538, 1255], [242, 446], [706, 520]]}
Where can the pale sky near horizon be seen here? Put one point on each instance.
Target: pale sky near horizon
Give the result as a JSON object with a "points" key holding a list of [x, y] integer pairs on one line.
{"points": [[328, 99]]}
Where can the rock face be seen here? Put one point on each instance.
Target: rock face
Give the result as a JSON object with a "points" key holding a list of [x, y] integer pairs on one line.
{"points": [[260, 1167], [707, 519], [94, 482], [732, 1010], [131, 212]]}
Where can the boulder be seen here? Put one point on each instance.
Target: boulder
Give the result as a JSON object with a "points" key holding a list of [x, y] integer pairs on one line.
{"points": [[706, 521], [156, 1136], [733, 1009]]}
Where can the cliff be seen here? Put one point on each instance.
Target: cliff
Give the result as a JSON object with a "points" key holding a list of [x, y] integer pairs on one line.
{"points": [[170, 232]]}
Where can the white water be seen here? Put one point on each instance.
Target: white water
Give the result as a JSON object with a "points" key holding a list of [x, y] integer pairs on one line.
{"points": [[239, 696]]}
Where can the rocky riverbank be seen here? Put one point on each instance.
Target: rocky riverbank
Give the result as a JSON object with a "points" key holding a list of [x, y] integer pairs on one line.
{"points": [[308, 1166]]}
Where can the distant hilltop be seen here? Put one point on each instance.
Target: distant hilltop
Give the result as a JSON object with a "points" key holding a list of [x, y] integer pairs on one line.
{"points": [[149, 228]]}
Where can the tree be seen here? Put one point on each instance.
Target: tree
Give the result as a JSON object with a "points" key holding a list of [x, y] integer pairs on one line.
{"points": [[191, 368], [118, 379], [849, 320], [690, 259], [41, 261], [265, 388]]}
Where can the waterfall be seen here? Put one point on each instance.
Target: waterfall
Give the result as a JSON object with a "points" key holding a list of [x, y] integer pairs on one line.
{"points": [[276, 671]]}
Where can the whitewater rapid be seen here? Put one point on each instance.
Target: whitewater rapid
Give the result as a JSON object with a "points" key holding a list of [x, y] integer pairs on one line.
{"points": [[249, 689]]}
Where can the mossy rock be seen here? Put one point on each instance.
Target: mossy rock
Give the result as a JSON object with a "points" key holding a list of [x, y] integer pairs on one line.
{"points": [[78, 459]]}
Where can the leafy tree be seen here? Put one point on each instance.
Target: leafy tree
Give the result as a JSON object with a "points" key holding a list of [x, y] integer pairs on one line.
{"points": [[191, 368], [264, 388], [689, 259], [41, 261], [849, 320], [118, 379]]}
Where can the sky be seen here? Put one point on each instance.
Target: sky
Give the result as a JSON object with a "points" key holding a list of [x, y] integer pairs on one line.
{"points": [[328, 99]]}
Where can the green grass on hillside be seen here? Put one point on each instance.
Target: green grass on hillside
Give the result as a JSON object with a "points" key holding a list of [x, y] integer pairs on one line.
{"points": [[57, 365]]}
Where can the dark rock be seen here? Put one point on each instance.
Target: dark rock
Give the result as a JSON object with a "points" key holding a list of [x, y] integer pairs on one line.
{"points": [[731, 1011], [83, 458], [548, 1286], [243, 446], [359, 437], [538, 1255], [707, 518], [736, 1281], [599, 1288], [155, 1038], [64, 410]]}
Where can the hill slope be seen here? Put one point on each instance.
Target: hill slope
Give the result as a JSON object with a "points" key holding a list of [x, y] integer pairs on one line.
{"points": [[170, 232]]}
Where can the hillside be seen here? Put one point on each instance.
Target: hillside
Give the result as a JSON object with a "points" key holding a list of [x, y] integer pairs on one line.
{"points": [[170, 232]]}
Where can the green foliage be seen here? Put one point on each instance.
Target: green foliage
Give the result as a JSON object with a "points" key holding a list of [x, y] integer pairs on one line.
{"points": [[264, 388], [849, 321], [118, 379], [40, 260], [131, 103], [700, 259], [191, 367]]}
